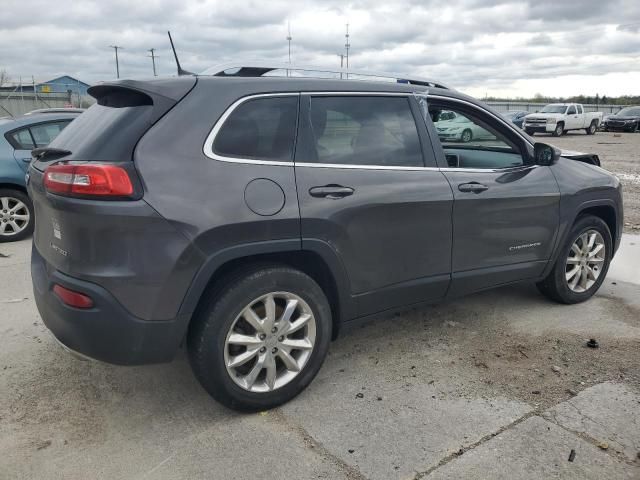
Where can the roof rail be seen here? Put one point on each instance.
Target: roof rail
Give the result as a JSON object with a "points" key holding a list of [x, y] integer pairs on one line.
{"points": [[258, 69]]}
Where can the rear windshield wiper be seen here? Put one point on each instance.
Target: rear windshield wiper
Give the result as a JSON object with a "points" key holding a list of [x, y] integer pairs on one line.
{"points": [[49, 153]]}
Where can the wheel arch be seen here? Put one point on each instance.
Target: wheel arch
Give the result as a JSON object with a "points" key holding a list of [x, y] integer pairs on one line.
{"points": [[605, 212], [13, 186], [316, 259], [605, 209]]}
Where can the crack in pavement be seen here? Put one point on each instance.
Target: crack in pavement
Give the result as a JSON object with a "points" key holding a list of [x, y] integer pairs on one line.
{"points": [[454, 455], [351, 472], [552, 417]]}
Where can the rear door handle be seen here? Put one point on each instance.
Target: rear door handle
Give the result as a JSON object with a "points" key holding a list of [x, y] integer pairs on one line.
{"points": [[333, 192], [473, 187]]}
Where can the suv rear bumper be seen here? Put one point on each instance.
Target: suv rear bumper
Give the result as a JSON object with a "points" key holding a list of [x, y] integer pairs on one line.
{"points": [[107, 331]]}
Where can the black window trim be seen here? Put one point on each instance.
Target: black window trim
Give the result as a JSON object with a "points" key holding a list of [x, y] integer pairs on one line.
{"points": [[525, 142], [504, 127]]}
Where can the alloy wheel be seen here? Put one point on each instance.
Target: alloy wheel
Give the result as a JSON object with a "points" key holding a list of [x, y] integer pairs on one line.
{"points": [[585, 261], [14, 216], [270, 342]]}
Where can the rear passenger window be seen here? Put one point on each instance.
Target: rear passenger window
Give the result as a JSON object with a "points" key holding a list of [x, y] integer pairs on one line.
{"points": [[262, 128], [44, 133], [364, 131], [21, 140]]}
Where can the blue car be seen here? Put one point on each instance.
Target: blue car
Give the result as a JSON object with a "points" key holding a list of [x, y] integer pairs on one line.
{"points": [[515, 116], [18, 136]]}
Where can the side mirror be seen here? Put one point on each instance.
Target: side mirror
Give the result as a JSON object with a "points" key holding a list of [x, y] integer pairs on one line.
{"points": [[545, 154]]}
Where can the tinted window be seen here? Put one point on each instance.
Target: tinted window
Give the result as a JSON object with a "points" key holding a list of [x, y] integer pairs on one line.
{"points": [[44, 133], [471, 141], [571, 111], [21, 139], [262, 128], [364, 131]]}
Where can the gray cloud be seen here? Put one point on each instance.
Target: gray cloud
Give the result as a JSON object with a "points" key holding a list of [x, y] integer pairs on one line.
{"points": [[470, 44]]}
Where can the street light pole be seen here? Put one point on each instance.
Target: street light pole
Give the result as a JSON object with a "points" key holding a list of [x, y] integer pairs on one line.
{"points": [[153, 61], [116, 47]]}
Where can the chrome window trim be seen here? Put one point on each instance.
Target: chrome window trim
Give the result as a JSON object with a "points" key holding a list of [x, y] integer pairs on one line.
{"points": [[209, 152], [207, 149]]}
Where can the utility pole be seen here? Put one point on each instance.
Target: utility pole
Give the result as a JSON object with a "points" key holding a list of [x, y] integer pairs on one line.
{"points": [[289, 39], [341, 55], [347, 45], [116, 47], [153, 60]]}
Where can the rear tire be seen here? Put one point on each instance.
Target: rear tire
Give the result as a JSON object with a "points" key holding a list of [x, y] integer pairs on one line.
{"points": [[16, 215], [224, 316], [556, 286], [592, 128]]}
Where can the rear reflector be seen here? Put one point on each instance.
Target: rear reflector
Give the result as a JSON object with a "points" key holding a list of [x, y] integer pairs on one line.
{"points": [[95, 179], [71, 298]]}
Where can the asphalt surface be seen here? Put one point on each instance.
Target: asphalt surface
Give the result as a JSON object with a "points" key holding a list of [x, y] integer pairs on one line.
{"points": [[496, 385]]}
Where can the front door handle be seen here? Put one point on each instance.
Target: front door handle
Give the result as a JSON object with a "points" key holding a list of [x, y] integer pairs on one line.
{"points": [[473, 187], [333, 192]]}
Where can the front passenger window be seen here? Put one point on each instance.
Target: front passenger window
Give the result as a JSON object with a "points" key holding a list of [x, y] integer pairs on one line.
{"points": [[470, 142]]}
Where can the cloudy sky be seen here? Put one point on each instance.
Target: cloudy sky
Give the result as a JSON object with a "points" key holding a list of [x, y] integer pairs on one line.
{"points": [[511, 48]]}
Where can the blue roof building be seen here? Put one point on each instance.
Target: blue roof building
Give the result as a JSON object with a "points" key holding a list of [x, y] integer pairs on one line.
{"points": [[63, 85]]}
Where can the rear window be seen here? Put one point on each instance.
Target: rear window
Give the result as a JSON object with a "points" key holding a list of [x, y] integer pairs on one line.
{"points": [[105, 133], [261, 128]]}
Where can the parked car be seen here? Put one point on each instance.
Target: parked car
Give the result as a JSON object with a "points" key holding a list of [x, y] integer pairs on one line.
{"points": [[249, 218], [18, 136], [56, 110], [627, 119], [558, 118], [455, 126], [515, 116]]}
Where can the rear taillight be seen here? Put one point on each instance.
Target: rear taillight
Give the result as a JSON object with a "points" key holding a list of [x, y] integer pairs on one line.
{"points": [[72, 298], [98, 179]]}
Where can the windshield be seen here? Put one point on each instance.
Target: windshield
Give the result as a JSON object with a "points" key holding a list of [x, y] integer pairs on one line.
{"points": [[630, 111], [554, 109]]}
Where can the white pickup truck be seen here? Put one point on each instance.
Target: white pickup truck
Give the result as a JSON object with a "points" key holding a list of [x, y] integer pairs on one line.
{"points": [[558, 118]]}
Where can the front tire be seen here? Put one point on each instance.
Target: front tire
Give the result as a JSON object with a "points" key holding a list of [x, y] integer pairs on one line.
{"points": [[582, 264], [466, 136], [559, 130], [16, 215], [260, 340]]}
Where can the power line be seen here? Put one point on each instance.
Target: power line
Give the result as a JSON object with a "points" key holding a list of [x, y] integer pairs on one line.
{"points": [[116, 47]]}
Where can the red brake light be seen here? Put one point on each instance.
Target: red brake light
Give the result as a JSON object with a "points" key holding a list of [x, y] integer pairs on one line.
{"points": [[95, 179], [71, 298]]}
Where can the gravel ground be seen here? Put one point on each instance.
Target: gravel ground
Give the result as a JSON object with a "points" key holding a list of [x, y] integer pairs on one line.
{"points": [[620, 154]]}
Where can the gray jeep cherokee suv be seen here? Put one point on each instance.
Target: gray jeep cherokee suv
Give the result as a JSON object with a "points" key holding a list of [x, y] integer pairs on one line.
{"points": [[247, 217]]}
